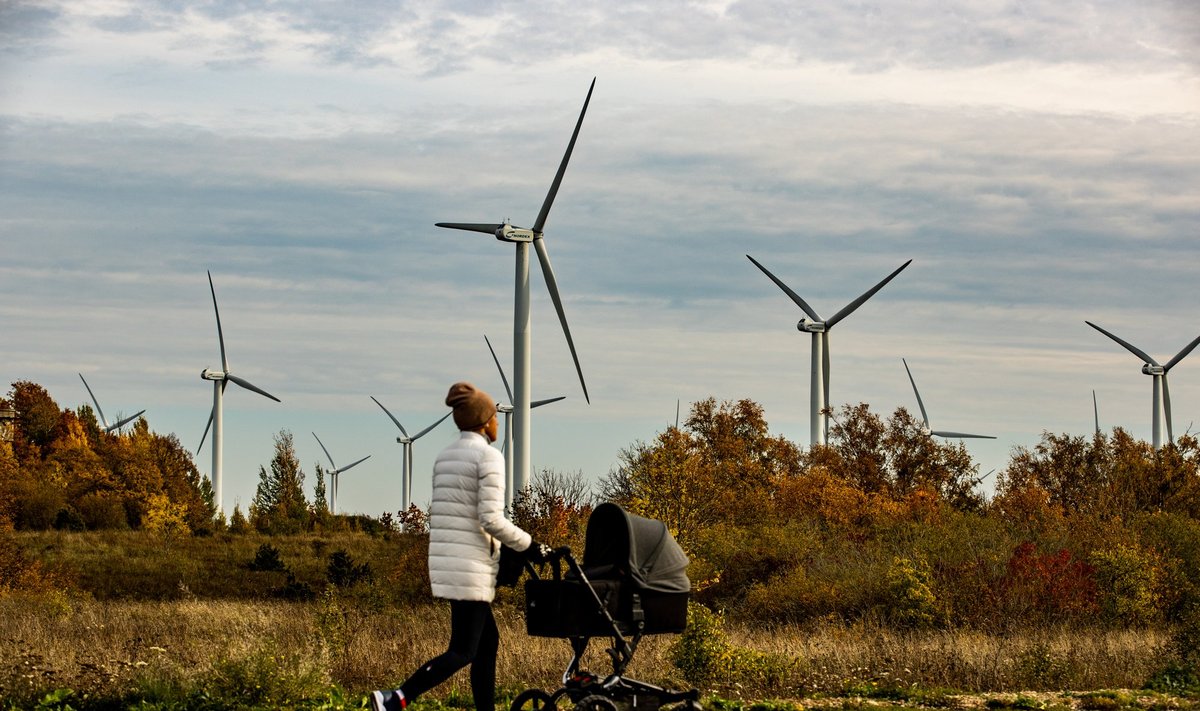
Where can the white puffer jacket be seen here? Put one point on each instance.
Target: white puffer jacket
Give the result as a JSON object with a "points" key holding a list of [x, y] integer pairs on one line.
{"points": [[466, 520]]}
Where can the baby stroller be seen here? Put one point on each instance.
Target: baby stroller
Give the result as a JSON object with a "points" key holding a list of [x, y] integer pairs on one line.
{"points": [[632, 582]]}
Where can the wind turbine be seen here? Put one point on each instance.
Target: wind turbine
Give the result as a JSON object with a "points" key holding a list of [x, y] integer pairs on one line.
{"points": [[1162, 393], [819, 398], [1096, 411], [507, 410], [219, 379], [937, 433], [107, 427], [521, 238], [333, 474], [406, 465]]}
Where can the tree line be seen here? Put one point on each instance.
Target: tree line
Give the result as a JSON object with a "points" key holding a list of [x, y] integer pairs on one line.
{"points": [[884, 520]]}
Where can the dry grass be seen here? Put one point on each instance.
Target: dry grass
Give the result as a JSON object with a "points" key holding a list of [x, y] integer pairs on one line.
{"points": [[117, 647], [834, 657]]}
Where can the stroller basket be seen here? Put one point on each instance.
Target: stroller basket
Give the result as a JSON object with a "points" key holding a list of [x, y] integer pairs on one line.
{"points": [[638, 575]]}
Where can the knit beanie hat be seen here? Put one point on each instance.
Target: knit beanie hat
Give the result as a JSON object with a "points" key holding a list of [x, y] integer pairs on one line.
{"points": [[472, 407]]}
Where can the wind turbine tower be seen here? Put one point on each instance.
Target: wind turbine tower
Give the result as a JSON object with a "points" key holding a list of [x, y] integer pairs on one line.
{"points": [[820, 328], [103, 421], [335, 474], [521, 238], [1161, 398], [507, 411], [406, 463], [220, 378]]}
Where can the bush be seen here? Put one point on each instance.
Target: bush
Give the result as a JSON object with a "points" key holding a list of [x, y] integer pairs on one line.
{"points": [[910, 602], [705, 656], [1127, 582], [343, 572], [267, 559]]}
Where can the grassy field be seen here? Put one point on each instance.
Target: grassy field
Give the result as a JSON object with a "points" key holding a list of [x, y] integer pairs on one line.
{"points": [[192, 625], [271, 652]]}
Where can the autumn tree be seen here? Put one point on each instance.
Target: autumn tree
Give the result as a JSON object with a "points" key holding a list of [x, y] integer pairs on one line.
{"points": [[279, 504], [554, 507], [898, 458], [724, 465], [1106, 476]]}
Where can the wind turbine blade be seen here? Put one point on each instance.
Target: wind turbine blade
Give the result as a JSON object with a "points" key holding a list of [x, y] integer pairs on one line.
{"points": [[103, 421], [486, 228], [206, 428], [1096, 411], [1167, 408], [916, 392], [552, 285], [1128, 346], [849, 309], [220, 334], [540, 223], [787, 290], [354, 464], [499, 368], [960, 435], [1170, 364], [425, 431], [381, 407], [250, 386], [124, 422], [327, 456], [539, 403]]}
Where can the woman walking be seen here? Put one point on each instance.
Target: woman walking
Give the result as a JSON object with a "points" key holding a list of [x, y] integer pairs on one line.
{"points": [[466, 528]]}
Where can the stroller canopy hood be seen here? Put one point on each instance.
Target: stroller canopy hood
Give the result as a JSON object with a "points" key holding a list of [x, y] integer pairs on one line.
{"points": [[642, 545]]}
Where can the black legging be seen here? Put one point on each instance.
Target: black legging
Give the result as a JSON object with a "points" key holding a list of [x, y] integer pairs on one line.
{"points": [[474, 640]]}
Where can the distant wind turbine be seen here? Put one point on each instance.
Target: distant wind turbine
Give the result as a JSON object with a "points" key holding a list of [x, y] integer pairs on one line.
{"points": [[819, 392], [406, 465], [925, 417], [219, 379], [334, 474], [507, 410], [522, 349], [1162, 392], [103, 421]]}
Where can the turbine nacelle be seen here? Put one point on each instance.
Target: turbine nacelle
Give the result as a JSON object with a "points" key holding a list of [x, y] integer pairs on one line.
{"points": [[1154, 369], [208, 374], [508, 233], [806, 326]]}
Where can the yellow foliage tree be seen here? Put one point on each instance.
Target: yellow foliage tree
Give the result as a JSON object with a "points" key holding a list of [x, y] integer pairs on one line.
{"points": [[165, 519]]}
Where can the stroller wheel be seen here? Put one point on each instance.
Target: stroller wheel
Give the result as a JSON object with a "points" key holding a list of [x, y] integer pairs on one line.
{"points": [[595, 702], [532, 700]]}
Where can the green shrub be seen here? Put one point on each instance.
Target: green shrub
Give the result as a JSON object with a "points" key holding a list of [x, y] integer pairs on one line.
{"points": [[343, 572], [910, 602], [702, 653], [1127, 583], [1174, 678], [267, 559], [705, 656]]}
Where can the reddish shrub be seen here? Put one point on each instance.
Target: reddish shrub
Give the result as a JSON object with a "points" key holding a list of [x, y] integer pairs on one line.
{"points": [[1048, 586]]}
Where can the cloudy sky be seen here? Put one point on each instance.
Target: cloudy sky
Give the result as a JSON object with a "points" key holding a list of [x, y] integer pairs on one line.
{"points": [[1039, 161]]}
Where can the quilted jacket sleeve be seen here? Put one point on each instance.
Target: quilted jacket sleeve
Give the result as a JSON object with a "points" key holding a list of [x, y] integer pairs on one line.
{"points": [[491, 502]]}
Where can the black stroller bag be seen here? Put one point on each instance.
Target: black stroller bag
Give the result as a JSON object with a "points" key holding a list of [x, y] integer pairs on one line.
{"points": [[637, 571]]}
